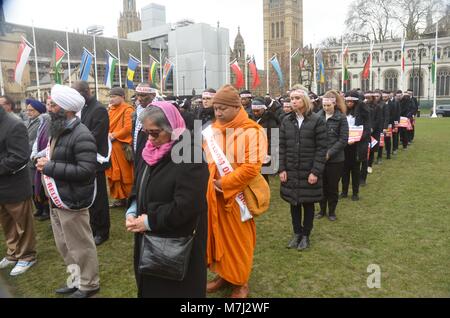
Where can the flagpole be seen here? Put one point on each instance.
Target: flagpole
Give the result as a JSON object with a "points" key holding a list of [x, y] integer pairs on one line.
{"points": [[435, 72], [176, 66], [2, 84], [342, 65], [401, 62], [314, 88], [371, 63], [161, 68], [267, 68], [290, 62], [95, 68], [68, 56], [204, 71], [246, 70], [142, 64], [36, 62], [118, 57]]}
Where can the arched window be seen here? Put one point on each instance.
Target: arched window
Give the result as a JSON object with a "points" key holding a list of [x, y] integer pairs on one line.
{"points": [[282, 29], [10, 74], [397, 56], [443, 82], [447, 52], [387, 56], [412, 54], [439, 51], [391, 80], [365, 56], [365, 82], [273, 30], [376, 56], [416, 82], [333, 59], [354, 58]]}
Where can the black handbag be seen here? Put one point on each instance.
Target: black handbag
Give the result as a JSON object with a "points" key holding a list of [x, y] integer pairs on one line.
{"points": [[165, 257]]}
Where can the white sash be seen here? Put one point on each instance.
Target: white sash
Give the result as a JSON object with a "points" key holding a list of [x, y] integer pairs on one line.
{"points": [[100, 159], [225, 168], [52, 189]]}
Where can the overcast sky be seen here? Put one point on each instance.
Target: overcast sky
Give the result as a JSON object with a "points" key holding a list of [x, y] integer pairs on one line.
{"points": [[322, 18]]}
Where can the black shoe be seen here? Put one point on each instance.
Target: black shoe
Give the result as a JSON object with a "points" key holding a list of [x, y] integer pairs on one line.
{"points": [[294, 241], [84, 294], [332, 218], [38, 213], [66, 290], [43, 217], [355, 197], [304, 243], [343, 195], [99, 240], [320, 215]]}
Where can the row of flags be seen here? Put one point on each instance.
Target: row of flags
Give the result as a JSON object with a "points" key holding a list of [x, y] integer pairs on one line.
{"points": [[87, 59], [240, 75]]}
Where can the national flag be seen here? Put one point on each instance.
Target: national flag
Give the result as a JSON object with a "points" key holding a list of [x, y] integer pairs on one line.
{"points": [[132, 66], [111, 62], [321, 70], [153, 70], [366, 70], [168, 68], [22, 59], [403, 54], [346, 62], [239, 75], [277, 68], [254, 71], [58, 56], [86, 63]]}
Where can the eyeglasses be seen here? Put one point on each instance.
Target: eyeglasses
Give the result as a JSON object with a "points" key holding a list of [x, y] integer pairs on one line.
{"points": [[153, 132]]}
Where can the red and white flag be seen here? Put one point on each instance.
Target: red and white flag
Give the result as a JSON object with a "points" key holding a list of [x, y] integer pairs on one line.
{"points": [[239, 75], [22, 59]]}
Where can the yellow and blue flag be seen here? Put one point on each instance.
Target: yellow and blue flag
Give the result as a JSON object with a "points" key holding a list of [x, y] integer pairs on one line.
{"points": [[132, 66]]}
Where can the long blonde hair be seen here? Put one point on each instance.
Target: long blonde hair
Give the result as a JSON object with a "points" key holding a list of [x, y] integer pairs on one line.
{"points": [[304, 98], [340, 103]]}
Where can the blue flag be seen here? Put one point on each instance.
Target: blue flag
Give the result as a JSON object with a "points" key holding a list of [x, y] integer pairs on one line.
{"points": [[132, 66], [277, 68], [86, 63], [321, 70]]}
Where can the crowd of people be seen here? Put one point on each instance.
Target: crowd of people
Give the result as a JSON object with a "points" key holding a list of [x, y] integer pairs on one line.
{"points": [[67, 158]]}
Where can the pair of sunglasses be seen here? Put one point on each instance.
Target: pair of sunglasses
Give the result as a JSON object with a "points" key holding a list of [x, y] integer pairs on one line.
{"points": [[153, 132]]}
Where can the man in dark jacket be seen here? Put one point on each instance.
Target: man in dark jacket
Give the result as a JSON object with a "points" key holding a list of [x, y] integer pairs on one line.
{"points": [[95, 117], [16, 205], [69, 180], [246, 100], [406, 110]]}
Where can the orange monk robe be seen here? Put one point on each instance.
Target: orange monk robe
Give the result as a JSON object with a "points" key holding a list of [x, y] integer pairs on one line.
{"points": [[231, 243], [120, 175]]}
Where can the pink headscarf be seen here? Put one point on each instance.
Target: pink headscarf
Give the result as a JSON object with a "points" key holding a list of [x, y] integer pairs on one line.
{"points": [[153, 154]]}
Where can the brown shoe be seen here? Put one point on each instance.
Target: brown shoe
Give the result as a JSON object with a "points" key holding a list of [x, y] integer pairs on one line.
{"points": [[216, 284], [240, 291]]}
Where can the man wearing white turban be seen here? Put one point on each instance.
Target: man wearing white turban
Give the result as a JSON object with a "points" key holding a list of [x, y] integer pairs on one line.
{"points": [[69, 181]]}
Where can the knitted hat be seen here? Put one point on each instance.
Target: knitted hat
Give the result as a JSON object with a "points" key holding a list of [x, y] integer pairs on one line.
{"points": [[227, 96]]}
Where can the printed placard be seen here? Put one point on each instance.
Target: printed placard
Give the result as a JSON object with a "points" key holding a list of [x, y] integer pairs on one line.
{"points": [[355, 133]]}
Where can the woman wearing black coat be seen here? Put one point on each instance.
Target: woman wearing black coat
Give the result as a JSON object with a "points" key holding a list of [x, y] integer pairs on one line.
{"points": [[333, 113], [170, 201], [303, 147], [355, 153]]}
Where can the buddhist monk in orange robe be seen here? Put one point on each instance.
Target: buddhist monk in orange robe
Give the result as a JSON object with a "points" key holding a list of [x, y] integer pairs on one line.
{"points": [[120, 175], [231, 242]]}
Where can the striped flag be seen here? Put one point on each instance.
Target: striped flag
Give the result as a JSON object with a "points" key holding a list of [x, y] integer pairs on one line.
{"points": [[153, 70], [22, 59], [111, 62], [366, 70], [132, 66], [86, 63], [58, 56], [168, 68], [403, 54], [277, 68], [346, 59], [238, 73]]}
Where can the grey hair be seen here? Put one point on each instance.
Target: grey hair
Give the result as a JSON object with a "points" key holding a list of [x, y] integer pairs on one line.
{"points": [[157, 116]]}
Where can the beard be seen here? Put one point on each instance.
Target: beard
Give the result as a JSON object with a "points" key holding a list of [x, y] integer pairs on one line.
{"points": [[58, 123]]}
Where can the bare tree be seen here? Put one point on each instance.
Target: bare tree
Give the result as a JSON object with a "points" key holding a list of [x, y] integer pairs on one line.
{"points": [[370, 19], [413, 14]]}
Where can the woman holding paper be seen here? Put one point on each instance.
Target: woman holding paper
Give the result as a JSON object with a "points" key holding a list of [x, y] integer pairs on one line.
{"points": [[357, 148], [303, 148], [333, 113]]}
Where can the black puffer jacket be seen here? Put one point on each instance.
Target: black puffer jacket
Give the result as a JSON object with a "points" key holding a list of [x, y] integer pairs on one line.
{"points": [[15, 185], [73, 166], [337, 136], [302, 152]]}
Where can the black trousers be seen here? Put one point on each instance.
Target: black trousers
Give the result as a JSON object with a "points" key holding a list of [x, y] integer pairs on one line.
{"points": [[99, 211], [375, 149], [306, 227], [403, 136], [387, 146], [331, 176], [363, 173], [395, 140], [352, 166]]}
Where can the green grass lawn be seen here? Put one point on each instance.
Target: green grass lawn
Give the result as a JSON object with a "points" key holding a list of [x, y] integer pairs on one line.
{"points": [[402, 224]]}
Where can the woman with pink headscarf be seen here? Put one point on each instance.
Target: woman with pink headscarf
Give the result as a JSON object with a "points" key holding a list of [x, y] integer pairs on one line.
{"points": [[170, 200]]}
